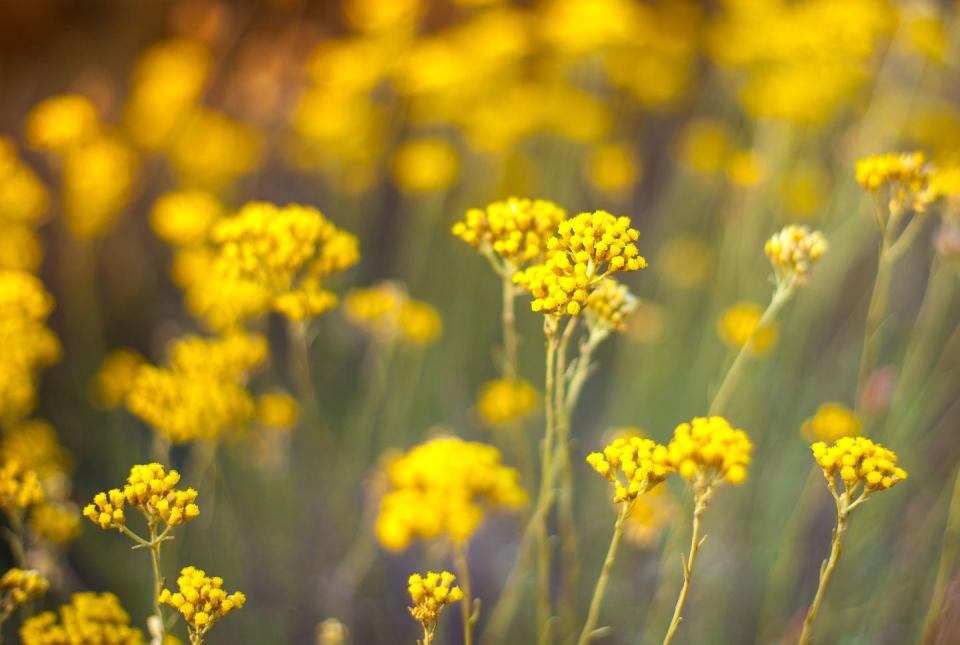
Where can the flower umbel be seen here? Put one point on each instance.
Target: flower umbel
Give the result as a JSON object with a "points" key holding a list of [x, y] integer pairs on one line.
{"points": [[201, 601], [430, 593], [708, 451], [634, 466], [793, 251]]}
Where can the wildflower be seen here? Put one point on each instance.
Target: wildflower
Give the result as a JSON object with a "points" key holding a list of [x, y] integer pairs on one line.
{"points": [[430, 593], [831, 422], [61, 122], [386, 311], [744, 168], [18, 586], [201, 601], [905, 176], [150, 489], [612, 168], [212, 151], [685, 262], [88, 618], [19, 488], [98, 183], [793, 251], [114, 379], [708, 450], [56, 523], [609, 306], [705, 146], [505, 401], [803, 188], [633, 465], [738, 326], [649, 515], [185, 217], [425, 165], [277, 410], [444, 487], [515, 230], [33, 444], [419, 322], [23, 197], [585, 250]]}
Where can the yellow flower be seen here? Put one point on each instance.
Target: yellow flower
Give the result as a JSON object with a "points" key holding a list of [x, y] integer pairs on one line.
{"points": [[114, 379], [612, 168], [709, 450], [504, 401], [375, 16], [685, 262], [201, 600], [277, 410], [19, 488], [585, 250], [803, 189], [386, 311], [515, 229], [98, 183], [444, 487], [744, 168], [211, 150], [609, 306], [429, 593], [738, 325], [419, 322], [858, 461], [152, 490], [185, 217], [906, 176], [831, 422], [792, 252], [33, 444], [23, 197], [705, 146], [61, 122], [633, 465], [649, 516], [425, 165], [89, 618], [20, 247], [18, 586], [57, 523]]}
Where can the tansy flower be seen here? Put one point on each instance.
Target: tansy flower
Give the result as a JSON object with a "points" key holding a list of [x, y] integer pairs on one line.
{"points": [[708, 450], [738, 325], [89, 618], [34, 445], [419, 322], [633, 465], [386, 311], [504, 401], [792, 252], [99, 177], [201, 601], [211, 150], [18, 586], [831, 422], [430, 593]]}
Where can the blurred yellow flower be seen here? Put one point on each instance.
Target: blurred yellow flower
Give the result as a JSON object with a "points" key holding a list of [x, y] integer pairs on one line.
{"points": [[211, 150], [738, 324], [685, 262], [649, 516], [185, 217], [803, 189], [744, 168], [425, 165], [705, 145], [831, 422], [503, 401], [18, 586], [277, 410], [61, 122], [99, 177], [114, 379], [612, 168], [98, 617], [56, 523]]}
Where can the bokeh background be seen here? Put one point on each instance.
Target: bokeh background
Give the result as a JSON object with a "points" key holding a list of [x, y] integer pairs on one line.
{"points": [[710, 125]]}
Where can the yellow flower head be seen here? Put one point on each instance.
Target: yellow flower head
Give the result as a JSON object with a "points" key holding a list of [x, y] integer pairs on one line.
{"points": [[201, 600], [649, 516], [98, 182], [738, 326], [23, 197], [831, 422], [59, 524], [211, 150], [89, 618], [19, 488], [633, 465], [685, 262], [34, 445], [18, 586], [585, 250], [444, 487], [61, 122], [612, 168], [709, 450], [610, 305], [114, 379], [515, 229], [277, 410], [792, 252], [907, 177], [419, 322], [425, 165], [150, 489], [185, 217], [385, 310], [504, 401], [856, 461], [429, 593]]}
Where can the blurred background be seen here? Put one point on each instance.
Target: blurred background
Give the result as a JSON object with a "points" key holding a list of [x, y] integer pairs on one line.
{"points": [[710, 124]]}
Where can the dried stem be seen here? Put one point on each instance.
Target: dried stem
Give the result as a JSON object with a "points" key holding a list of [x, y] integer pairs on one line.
{"points": [[701, 498], [594, 613], [467, 606]]}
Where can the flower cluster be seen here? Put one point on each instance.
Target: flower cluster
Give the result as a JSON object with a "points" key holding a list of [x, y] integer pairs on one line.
{"points": [[649, 516], [62, 122], [857, 460], [585, 250], [444, 487], [150, 489], [429, 593], [386, 311], [19, 489], [201, 393], [115, 377], [792, 251], [184, 218], [515, 230], [23, 203], [200, 599], [609, 306], [737, 326], [505, 401], [634, 465], [18, 586], [708, 450], [907, 176], [56, 523], [277, 410], [831, 422], [89, 618], [34, 445], [425, 165]]}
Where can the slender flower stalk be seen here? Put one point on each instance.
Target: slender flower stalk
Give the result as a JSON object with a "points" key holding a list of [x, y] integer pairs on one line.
{"points": [[467, 609], [948, 557], [550, 330], [567, 523], [701, 497], [598, 591]]}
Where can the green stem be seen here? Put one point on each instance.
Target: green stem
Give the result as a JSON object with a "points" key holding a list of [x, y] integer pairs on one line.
{"points": [[550, 325], [701, 497], [467, 609], [154, 547], [568, 531], [594, 613], [508, 319], [948, 558]]}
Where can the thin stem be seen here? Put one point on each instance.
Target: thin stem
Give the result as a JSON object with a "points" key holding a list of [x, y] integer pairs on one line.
{"points": [[568, 530], [299, 362], [427, 636], [510, 343], [601, 586], [546, 484], [948, 557], [14, 538], [154, 547], [826, 570], [701, 497], [721, 399], [467, 608]]}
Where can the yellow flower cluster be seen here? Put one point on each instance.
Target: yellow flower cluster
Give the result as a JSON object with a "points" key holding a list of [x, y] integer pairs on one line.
{"points": [[649, 516], [610, 305], [28, 344], [23, 203], [184, 218], [738, 325], [831, 422], [19, 488], [708, 450], [89, 618], [230, 150], [515, 229], [201, 393], [115, 377], [907, 176], [277, 410], [56, 523], [268, 256], [444, 487], [792, 251], [634, 465], [62, 122], [857, 460], [585, 250], [98, 183], [505, 401], [612, 168], [386, 311], [150, 489], [425, 165], [429, 593], [200, 599], [18, 586], [34, 445]]}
